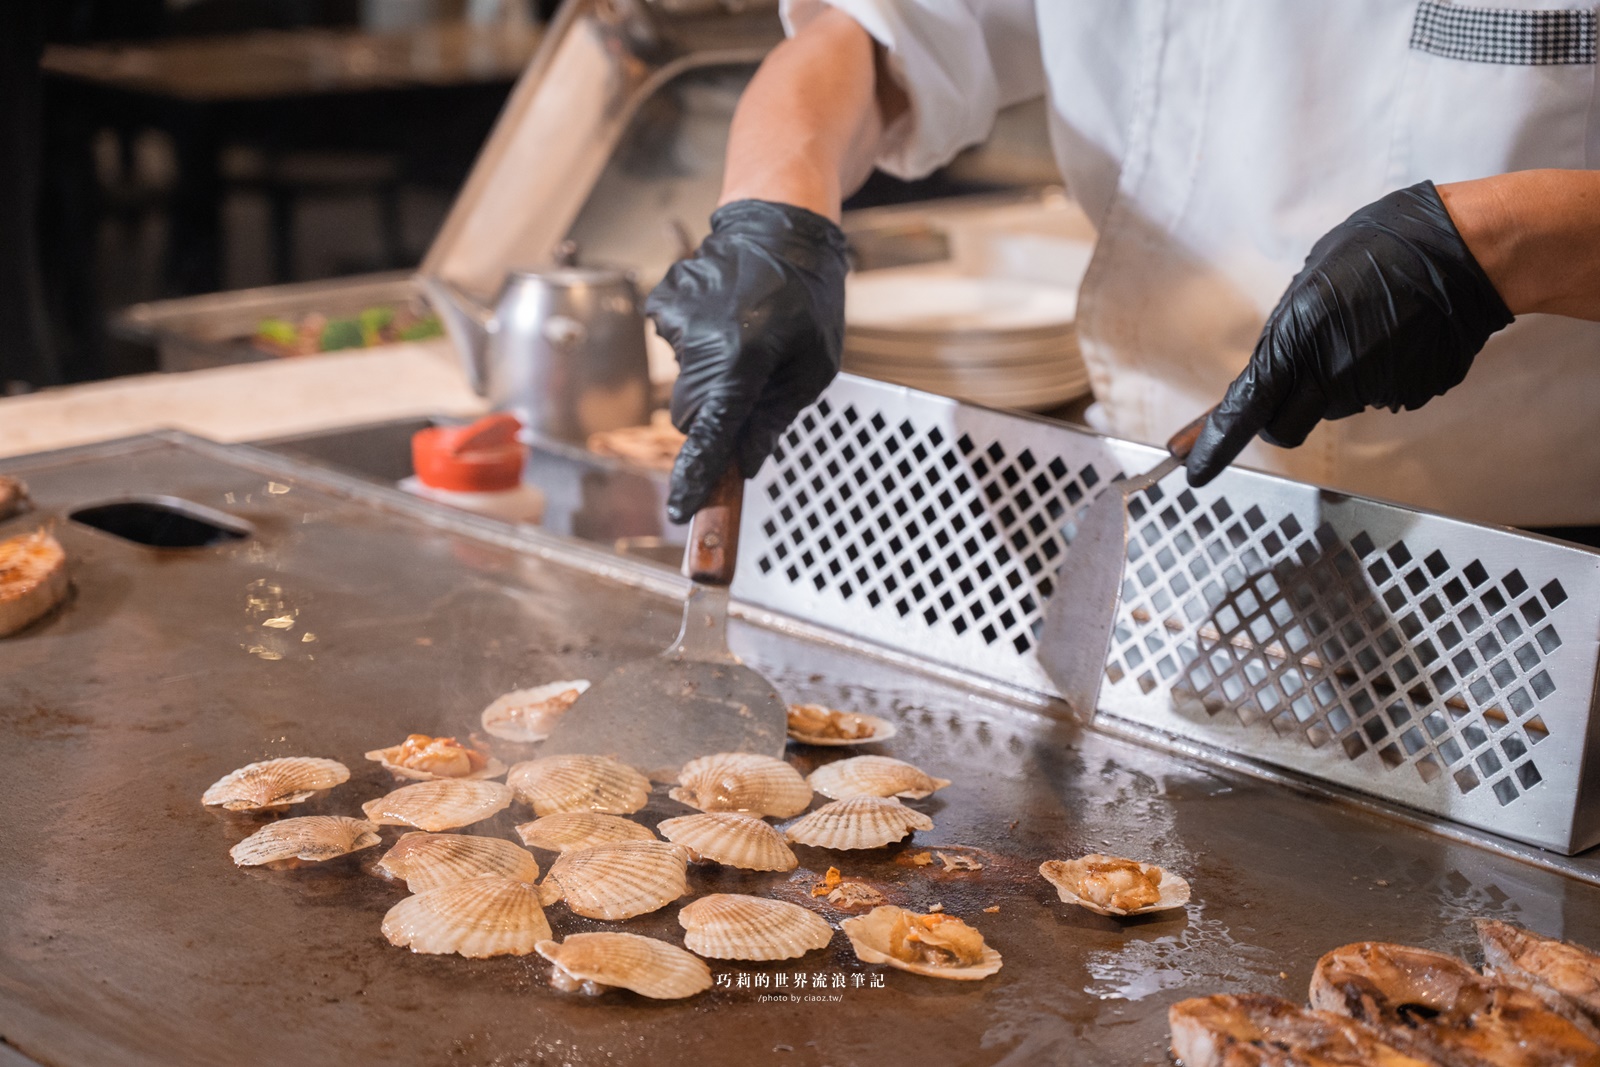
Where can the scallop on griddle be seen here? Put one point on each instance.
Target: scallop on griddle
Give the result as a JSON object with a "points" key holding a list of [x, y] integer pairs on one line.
{"points": [[1257, 1030], [874, 776], [936, 945], [292, 843], [274, 784], [13, 497], [427, 861], [425, 758], [813, 724], [444, 804], [528, 715], [593, 963], [1566, 975], [478, 918], [857, 822], [734, 926], [732, 839], [567, 831], [33, 579], [1111, 885], [742, 781], [556, 784], [1436, 1005], [622, 880]]}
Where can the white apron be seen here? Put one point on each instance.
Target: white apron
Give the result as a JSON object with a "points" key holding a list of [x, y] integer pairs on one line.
{"points": [[1214, 141]]}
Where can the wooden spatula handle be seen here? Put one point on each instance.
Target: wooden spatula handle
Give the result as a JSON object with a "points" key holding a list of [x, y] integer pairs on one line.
{"points": [[713, 547], [1180, 444]]}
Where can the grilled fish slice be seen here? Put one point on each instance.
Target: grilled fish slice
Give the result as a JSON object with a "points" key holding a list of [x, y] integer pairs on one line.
{"points": [[33, 579], [1433, 1004], [1256, 1030], [1566, 975]]}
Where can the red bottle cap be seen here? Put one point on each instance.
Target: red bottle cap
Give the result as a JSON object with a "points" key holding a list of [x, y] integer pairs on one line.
{"points": [[485, 457]]}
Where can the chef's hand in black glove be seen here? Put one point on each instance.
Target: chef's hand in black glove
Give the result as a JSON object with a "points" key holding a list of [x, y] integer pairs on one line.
{"points": [[756, 317], [1389, 311]]}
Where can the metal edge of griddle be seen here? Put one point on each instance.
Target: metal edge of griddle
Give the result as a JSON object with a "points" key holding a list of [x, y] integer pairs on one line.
{"points": [[659, 581], [562, 550]]}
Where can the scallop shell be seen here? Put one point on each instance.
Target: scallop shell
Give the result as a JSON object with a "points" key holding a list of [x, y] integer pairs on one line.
{"points": [[878, 729], [651, 968], [732, 926], [274, 784], [579, 783], [528, 715], [622, 880], [387, 756], [742, 781], [869, 935], [874, 776], [439, 805], [310, 838], [1066, 875], [857, 822], [478, 918], [567, 831], [428, 861], [732, 839]]}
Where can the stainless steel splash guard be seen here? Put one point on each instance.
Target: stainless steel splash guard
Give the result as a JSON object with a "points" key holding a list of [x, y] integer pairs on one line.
{"points": [[1440, 664]]}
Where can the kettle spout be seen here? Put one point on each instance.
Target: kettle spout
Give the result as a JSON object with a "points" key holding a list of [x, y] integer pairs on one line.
{"points": [[469, 324]]}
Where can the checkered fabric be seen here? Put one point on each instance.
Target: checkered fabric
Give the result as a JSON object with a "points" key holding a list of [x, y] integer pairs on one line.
{"points": [[1505, 35]]}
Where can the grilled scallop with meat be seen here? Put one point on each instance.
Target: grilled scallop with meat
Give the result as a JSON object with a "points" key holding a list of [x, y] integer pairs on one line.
{"points": [[1255, 1030], [293, 843], [813, 724], [873, 776], [443, 804], [274, 784], [742, 781], [425, 758], [1110, 885], [13, 497], [1433, 1004], [33, 579], [556, 784], [935, 945], [477, 918], [593, 963], [427, 861], [528, 715], [1566, 975]]}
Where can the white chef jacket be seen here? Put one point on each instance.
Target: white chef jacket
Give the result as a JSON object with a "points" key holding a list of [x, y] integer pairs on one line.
{"points": [[1214, 141]]}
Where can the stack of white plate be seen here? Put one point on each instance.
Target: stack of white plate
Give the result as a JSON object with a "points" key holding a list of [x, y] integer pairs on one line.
{"points": [[992, 341]]}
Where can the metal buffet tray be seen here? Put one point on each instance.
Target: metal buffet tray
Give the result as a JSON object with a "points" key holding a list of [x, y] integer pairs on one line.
{"points": [[130, 938]]}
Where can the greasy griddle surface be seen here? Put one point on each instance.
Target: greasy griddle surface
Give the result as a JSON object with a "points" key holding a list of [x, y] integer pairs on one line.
{"points": [[127, 935]]}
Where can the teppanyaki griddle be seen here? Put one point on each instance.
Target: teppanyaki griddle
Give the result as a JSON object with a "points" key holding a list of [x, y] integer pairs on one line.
{"points": [[128, 937]]}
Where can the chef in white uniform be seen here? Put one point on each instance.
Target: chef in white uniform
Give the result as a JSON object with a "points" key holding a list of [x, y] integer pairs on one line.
{"points": [[1310, 209]]}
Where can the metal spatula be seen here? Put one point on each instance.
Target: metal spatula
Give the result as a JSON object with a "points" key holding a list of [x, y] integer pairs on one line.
{"points": [[695, 698], [1079, 618]]}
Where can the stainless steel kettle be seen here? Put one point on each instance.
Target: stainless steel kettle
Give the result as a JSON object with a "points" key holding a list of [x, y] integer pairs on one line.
{"points": [[563, 348]]}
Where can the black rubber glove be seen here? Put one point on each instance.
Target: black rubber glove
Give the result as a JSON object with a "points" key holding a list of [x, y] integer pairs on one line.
{"points": [[1389, 311], [756, 317]]}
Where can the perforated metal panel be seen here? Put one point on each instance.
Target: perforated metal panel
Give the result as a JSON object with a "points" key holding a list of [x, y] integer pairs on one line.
{"points": [[1444, 665]]}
